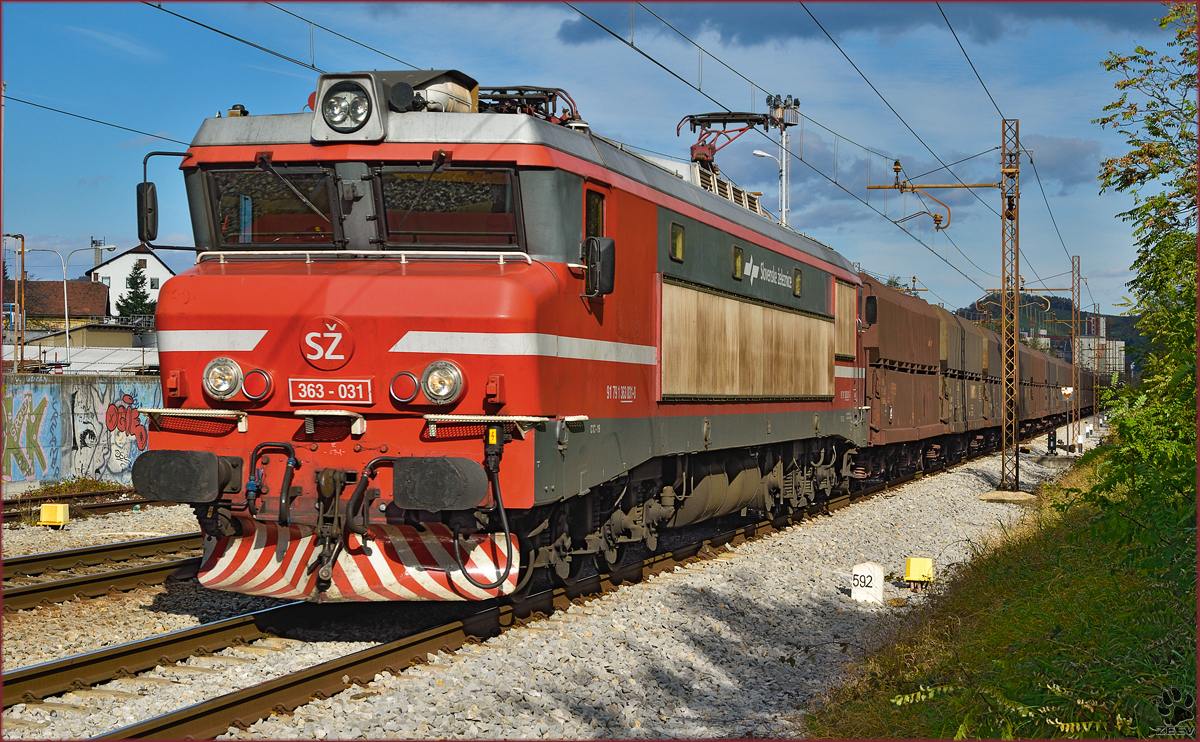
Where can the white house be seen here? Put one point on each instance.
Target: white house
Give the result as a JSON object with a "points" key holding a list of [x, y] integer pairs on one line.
{"points": [[115, 272]]}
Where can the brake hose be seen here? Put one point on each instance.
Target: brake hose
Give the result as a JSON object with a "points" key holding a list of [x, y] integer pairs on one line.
{"points": [[495, 480]]}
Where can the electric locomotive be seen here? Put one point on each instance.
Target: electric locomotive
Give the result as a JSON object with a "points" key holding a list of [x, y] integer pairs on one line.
{"points": [[439, 338]]}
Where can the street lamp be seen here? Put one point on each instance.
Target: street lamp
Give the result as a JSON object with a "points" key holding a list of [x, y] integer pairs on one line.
{"points": [[782, 186], [66, 308]]}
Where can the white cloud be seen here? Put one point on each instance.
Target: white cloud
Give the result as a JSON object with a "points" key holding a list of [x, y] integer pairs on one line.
{"points": [[120, 44]]}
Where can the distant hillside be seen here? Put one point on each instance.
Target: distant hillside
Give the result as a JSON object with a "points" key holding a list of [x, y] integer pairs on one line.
{"points": [[1035, 315]]}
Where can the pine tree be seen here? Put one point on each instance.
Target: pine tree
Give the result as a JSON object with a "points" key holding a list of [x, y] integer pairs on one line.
{"points": [[136, 300]]}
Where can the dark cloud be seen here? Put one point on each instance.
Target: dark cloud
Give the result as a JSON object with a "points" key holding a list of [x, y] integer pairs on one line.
{"points": [[1068, 162], [754, 23]]}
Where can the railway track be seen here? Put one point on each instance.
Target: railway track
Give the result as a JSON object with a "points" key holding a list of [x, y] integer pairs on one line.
{"points": [[212, 717], [19, 597], [245, 706], [79, 501]]}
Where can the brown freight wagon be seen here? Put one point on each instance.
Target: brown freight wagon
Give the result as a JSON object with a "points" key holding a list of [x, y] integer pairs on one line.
{"points": [[903, 355]]}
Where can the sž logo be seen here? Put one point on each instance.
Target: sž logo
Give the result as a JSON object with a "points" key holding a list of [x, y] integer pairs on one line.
{"points": [[326, 343]]}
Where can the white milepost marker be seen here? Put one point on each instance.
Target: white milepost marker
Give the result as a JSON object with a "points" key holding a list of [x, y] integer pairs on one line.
{"points": [[867, 582]]}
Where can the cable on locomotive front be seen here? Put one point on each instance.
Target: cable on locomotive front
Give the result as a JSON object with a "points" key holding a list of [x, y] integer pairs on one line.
{"points": [[493, 450]]}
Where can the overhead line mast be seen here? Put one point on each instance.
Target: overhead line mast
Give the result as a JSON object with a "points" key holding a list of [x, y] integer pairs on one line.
{"points": [[1010, 283]]}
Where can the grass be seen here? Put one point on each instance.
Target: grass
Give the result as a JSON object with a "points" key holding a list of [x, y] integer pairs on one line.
{"points": [[70, 486], [1041, 635]]}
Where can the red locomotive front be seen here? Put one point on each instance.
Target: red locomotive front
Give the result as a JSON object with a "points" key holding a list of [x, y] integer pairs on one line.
{"points": [[436, 340]]}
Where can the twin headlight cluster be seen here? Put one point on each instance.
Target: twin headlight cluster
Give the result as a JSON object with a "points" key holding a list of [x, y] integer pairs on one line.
{"points": [[346, 107], [441, 381], [223, 378]]}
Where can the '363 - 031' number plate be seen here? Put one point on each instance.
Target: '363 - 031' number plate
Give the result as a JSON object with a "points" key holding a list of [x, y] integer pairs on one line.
{"points": [[340, 391]]}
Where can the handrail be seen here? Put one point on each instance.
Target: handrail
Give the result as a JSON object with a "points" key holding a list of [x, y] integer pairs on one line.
{"points": [[403, 255]]}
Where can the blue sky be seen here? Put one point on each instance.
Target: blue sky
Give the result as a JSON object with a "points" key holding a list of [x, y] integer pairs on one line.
{"points": [[130, 64]]}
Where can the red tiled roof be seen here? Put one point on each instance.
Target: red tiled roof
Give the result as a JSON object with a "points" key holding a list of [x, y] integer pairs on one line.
{"points": [[45, 298]]}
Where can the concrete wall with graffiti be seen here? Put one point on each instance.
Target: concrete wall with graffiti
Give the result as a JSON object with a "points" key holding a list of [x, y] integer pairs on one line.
{"points": [[56, 427]]}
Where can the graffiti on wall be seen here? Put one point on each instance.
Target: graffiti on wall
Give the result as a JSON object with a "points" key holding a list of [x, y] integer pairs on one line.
{"points": [[76, 426], [106, 432], [31, 433]]}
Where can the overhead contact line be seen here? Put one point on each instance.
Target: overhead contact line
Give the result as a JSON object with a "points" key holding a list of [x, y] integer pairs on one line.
{"points": [[850, 193]]}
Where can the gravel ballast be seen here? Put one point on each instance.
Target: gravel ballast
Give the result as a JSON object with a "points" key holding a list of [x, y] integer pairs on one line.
{"points": [[125, 525], [735, 646]]}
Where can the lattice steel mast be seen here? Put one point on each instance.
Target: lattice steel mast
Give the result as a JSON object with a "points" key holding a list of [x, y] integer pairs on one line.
{"points": [[1010, 305]]}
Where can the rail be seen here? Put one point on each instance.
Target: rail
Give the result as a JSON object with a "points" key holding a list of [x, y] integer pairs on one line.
{"points": [[79, 501], [91, 586], [89, 556]]}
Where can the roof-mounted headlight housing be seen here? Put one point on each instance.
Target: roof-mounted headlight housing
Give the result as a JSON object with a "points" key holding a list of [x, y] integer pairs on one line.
{"points": [[350, 108], [346, 107]]}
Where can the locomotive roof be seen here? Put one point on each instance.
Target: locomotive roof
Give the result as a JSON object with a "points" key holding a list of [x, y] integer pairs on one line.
{"points": [[507, 128]]}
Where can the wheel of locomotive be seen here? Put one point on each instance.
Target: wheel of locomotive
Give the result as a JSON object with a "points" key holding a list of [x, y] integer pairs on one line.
{"points": [[572, 570], [611, 559], [566, 573]]}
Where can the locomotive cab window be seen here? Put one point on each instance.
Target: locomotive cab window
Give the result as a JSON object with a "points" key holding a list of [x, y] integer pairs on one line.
{"points": [[593, 214], [290, 206], [449, 207], [676, 246]]}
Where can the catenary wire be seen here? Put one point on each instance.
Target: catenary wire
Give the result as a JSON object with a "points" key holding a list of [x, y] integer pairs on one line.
{"points": [[997, 107], [964, 51], [956, 162], [342, 36], [1048, 209], [893, 110], [236, 38], [96, 121], [754, 84], [792, 154]]}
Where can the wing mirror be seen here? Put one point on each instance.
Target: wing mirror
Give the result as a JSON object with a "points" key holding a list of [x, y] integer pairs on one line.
{"points": [[147, 206], [601, 266], [871, 310]]}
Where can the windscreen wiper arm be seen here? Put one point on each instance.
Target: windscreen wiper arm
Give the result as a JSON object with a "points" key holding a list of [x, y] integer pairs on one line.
{"points": [[264, 163], [437, 165]]}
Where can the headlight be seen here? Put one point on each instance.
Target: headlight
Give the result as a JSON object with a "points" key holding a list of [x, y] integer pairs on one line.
{"points": [[442, 382], [222, 378], [346, 107]]}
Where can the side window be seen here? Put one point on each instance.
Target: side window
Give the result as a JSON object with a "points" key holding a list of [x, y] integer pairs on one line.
{"points": [[142, 263], [593, 216], [739, 262], [676, 242], [106, 280], [153, 283]]}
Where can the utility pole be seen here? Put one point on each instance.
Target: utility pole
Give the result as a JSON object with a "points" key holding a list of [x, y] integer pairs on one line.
{"points": [[1010, 310], [1076, 352], [21, 301]]}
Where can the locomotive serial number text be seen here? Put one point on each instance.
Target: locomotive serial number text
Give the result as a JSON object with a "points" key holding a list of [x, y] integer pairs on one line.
{"points": [[342, 391]]}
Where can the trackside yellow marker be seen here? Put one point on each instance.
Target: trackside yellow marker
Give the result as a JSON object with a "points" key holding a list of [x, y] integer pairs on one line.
{"points": [[54, 515]]}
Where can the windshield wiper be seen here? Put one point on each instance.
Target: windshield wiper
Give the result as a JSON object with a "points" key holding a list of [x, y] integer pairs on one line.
{"points": [[266, 165], [441, 160]]}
